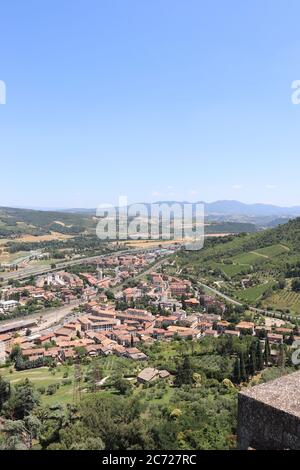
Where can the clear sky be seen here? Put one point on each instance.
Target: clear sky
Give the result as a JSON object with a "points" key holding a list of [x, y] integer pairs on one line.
{"points": [[153, 99]]}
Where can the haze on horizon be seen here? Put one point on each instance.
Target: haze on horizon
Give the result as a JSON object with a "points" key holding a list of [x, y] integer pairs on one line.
{"points": [[160, 100]]}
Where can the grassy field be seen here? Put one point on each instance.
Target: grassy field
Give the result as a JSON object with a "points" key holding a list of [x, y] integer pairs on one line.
{"points": [[231, 270], [6, 257], [250, 259], [253, 294], [43, 238], [42, 377]]}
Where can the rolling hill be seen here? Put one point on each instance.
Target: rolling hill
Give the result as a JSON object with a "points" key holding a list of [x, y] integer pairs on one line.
{"points": [[256, 268]]}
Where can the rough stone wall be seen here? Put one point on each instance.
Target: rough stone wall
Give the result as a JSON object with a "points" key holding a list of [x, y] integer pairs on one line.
{"points": [[261, 426]]}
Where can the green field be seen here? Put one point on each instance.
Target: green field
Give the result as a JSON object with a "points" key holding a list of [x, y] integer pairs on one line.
{"points": [[42, 377], [231, 270], [253, 294], [250, 258], [273, 251]]}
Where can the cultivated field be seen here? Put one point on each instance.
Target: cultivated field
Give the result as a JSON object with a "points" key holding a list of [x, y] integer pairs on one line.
{"points": [[283, 300]]}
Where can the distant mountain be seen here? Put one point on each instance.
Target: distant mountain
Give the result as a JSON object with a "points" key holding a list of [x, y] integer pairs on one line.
{"points": [[251, 210], [225, 208], [220, 208]]}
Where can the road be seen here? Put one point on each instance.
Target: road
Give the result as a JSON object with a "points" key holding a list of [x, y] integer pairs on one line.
{"points": [[36, 270], [51, 317]]}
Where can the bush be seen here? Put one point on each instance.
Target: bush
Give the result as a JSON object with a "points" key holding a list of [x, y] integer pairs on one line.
{"points": [[51, 390], [66, 382]]}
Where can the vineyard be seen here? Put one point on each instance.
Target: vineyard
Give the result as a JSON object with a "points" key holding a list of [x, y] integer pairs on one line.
{"points": [[283, 300]]}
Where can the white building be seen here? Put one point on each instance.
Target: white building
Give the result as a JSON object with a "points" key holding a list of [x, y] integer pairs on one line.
{"points": [[8, 305]]}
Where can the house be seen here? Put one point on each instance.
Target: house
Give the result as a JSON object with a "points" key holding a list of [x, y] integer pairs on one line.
{"points": [[65, 332], [34, 353], [192, 303], [245, 326], [222, 326], [149, 374], [275, 338], [8, 305], [232, 333], [178, 288], [46, 338], [135, 354], [211, 333], [184, 332], [166, 320]]}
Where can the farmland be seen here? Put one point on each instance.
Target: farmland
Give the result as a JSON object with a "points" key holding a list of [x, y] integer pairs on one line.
{"points": [[262, 260], [283, 300]]}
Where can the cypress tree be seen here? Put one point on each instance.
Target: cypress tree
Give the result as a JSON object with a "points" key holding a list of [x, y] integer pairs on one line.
{"points": [[252, 362], [259, 356], [237, 371], [184, 373], [281, 356], [267, 352], [244, 376]]}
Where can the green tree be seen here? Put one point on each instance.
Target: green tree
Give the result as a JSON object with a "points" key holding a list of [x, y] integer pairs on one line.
{"points": [[184, 373], [244, 375], [237, 371], [24, 398], [259, 356], [267, 352], [5, 391]]}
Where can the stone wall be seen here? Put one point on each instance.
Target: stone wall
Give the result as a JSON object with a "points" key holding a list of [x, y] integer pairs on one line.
{"points": [[268, 415]]}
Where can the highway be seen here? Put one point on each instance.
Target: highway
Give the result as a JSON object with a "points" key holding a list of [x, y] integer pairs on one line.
{"points": [[50, 317], [37, 270]]}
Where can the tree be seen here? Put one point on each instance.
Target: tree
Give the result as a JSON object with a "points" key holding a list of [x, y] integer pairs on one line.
{"points": [[281, 356], [259, 356], [24, 398], [184, 374], [244, 375], [122, 385], [237, 371], [252, 362], [267, 352], [5, 391], [296, 285], [16, 353]]}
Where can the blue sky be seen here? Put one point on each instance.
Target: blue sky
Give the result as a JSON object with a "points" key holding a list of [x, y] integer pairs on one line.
{"points": [[160, 99]]}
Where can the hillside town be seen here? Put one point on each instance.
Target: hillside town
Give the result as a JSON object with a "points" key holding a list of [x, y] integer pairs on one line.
{"points": [[106, 316]]}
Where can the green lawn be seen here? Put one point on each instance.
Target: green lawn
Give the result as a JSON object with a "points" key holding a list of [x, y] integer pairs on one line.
{"points": [[273, 250], [230, 270], [248, 259], [42, 377], [253, 294]]}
